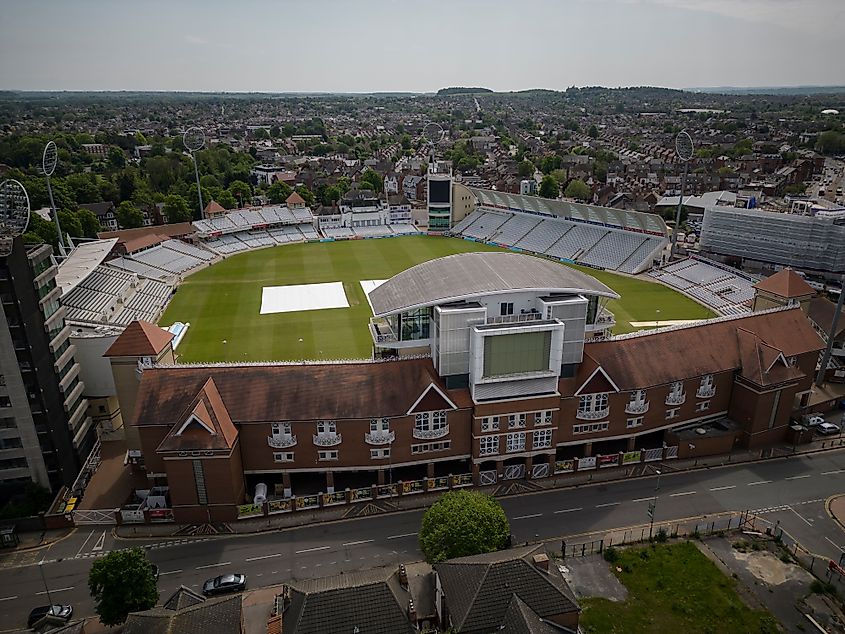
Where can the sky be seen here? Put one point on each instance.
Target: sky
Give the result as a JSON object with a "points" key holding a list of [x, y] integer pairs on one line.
{"points": [[399, 45]]}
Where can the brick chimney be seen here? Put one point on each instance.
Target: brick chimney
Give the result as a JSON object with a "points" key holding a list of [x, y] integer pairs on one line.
{"points": [[412, 612], [403, 576], [541, 561]]}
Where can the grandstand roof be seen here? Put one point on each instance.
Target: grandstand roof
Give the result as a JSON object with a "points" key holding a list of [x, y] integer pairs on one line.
{"points": [[787, 284], [635, 220], [139, 339], [81, 262], [466, 275]]}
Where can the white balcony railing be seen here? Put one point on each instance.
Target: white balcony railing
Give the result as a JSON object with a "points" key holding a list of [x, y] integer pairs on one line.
{"points": [[593, 414], [636, 407], [428, 434], [379, 437], [705, 392], [676, 399], [282, 442], [327, 440]]}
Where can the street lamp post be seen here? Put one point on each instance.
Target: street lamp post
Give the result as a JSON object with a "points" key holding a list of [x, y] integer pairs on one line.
{"points": [[652, 508], [44, 579]]}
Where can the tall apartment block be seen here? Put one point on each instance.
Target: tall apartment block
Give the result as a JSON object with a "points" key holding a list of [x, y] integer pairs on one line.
{"points": [[45, 431]]}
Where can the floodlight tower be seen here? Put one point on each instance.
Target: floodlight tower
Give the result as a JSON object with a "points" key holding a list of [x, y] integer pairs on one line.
{"points": [[194, 141], [684, 150], [48, 165], [439, 175], [14, 213]]}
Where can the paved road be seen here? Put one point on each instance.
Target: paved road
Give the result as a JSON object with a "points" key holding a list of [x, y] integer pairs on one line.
{"points": [[791, 492]]}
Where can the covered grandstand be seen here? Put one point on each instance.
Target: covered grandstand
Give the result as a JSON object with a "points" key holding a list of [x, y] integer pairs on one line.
{"points": [[721, 288], [600, 237]]}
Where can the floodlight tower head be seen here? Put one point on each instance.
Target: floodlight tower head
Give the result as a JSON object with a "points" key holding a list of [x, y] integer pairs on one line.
{"points": [[433, 134], [683, 146], [14, 213], [193, 139], [49, 159]]}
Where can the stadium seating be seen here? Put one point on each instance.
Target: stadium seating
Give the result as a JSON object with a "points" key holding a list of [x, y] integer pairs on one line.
{"points": [[486, 225], [544, 235], [515, 228], [725, 290]]}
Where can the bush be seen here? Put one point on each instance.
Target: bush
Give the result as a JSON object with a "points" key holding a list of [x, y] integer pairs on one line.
{"points": [[611, 555], [661, 536], [822, 587]]}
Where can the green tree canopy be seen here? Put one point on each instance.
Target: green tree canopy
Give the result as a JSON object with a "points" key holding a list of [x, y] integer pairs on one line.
{"points": [[549, 187], [120, 583], [89, 222], [578, 190], [525, 169], [593, 132], [371, 180], [278, 192], [128, 215], [241, 190], [463, 523], [176, 209], [226, 200]]}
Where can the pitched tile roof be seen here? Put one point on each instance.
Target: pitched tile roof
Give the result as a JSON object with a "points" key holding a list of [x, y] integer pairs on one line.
{"points": [[171, 230], [368, 601], [184, 597], [221, 616], [761, 363], [262, 393], [520, 619], [786, 283], [662, 356], [214, 207], [478, 590], [821, 311], [139, 339], [295, 199], [205, 424]]}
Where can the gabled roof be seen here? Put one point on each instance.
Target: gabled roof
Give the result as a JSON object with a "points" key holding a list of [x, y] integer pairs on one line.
{"points": [[282, 392], [478, 590], [432, 399], [368, 601], [295, 199], [214, 207], [660, 357], [221, 616], [183, 598], [139, 339], [787, 284], [206, 425], [821, 311], [520, 619], [598, 382], [763, 364]]}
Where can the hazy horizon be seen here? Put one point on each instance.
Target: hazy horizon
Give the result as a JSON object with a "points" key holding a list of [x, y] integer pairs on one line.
{"points": [[332, 46]]}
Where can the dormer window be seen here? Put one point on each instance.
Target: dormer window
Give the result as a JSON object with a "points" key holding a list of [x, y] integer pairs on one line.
{"points": [[706, 389], [637, 404], [676, 394], [593, 406]]}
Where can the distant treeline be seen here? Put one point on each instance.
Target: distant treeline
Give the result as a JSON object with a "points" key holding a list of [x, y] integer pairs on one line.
{"points": [[459, 90]]}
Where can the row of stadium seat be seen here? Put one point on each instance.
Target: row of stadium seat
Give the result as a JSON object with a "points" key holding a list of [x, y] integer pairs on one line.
{"points": [[725, 291]]}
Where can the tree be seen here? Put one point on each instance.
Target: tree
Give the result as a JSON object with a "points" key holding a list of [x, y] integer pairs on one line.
{"points": [[122, 582], [371, 180], [117, 159], [176, 209], [307, 194], [578, 190], [463, 523], [129, 216], [593, 132], [70, 224], [226, 200], [549, 187], [525, 169], [89, 222], [278, 192]]}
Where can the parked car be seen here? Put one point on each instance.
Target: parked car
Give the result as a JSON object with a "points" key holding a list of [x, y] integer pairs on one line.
{"points": [[224, 584], [813, 420], [827, 429], [63, 612]]}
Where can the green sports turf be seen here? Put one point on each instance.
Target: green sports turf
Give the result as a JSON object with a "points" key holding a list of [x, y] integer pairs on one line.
{"points": [[222, 302]]}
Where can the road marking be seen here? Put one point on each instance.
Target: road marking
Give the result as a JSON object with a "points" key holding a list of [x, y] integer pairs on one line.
{"points": [[569, 510], [101, 540], [85, 542], [358, 543], [601, 506], [643, 499], [528, 517], [674, 495], [834, 543], [52, 590], [808, 522], [724, 488], [799, 477], [263, 557], [9, 598], [403, 535], [222, 563], [169, 572], [833, 472], [311, 550], [754, 484]]}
